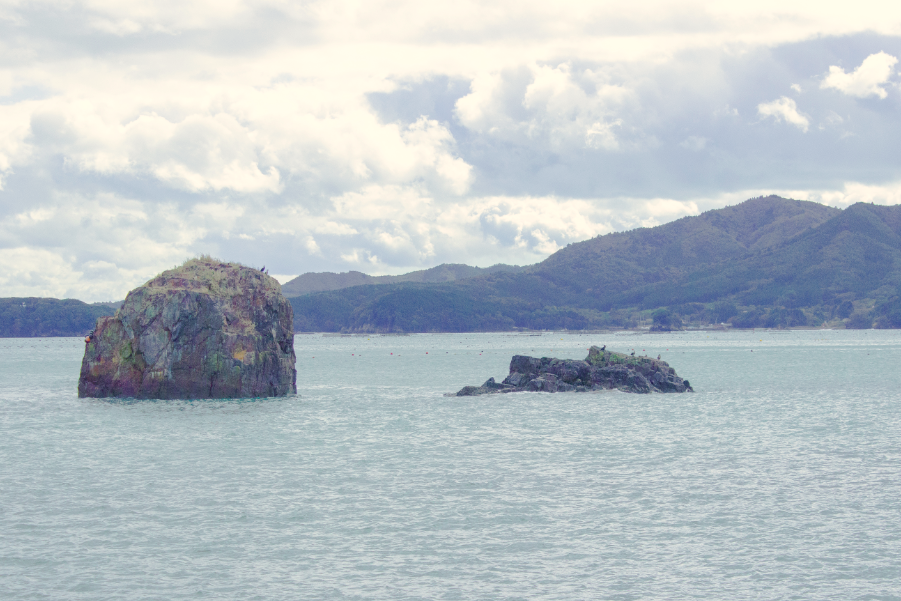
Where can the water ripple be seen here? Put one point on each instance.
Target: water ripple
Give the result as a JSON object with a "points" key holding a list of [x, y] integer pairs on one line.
{"points": [[778, 479]]}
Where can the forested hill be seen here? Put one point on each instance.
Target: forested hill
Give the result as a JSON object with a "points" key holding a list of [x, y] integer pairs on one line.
{"points": [[765, 262], [447, 272], [30, 317], [608, 265]]}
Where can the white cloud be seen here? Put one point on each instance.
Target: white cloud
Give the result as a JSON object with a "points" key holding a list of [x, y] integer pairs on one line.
{"points": [[429, 142], [374, 203], [95, 248], [283, 279], [312, 247], [543, 104], [246, 128], [852, 192], [120, 28], [866, 80], [361, 258], [36, 272], [696, 143], [13, 133], [784, 109], [335, 229], [602, 135]]}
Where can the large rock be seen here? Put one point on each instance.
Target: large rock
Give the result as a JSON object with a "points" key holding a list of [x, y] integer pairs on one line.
{"points": [[601, 370], [204, 330]]}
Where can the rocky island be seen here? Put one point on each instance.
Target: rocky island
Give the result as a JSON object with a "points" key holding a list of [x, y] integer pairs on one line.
{"points": [[207, 329], [601, 370]]}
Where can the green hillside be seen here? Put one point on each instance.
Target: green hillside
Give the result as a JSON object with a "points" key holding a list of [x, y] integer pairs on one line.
{"points": [[605, 266], [767, 262], [32, 317]]}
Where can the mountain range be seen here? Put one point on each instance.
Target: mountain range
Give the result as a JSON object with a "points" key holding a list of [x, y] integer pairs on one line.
{"points": [[766, 262], [448, 272]]}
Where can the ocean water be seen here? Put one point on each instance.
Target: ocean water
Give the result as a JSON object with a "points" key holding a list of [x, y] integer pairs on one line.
{"points": [[780, 478]]}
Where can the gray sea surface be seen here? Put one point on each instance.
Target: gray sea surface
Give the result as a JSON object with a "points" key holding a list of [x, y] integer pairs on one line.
{"points": [[779, 478]]}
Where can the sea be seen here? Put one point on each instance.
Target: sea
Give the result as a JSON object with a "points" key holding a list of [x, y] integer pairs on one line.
{"points": [[778, 478]]}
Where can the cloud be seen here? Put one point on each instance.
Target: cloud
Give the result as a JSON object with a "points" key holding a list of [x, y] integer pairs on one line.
{"points": [[36, 272], [246, 143], [536, 224], [853, 192], [394, 135], [312, 247], [554, 106], [784, 109], [375, 203], [695, 143], [284, 278], [866, 80]]}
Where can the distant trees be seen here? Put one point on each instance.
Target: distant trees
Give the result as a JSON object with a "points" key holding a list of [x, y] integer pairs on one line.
{"points": [[888, 313], [774, 317], [665, 320], [752, 318], [780, 317], [30, 317], [860, 321], [845, 309], [722, 311]]}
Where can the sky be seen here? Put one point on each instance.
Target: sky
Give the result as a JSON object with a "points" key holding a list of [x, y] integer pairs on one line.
{"points": [[390, 136]]}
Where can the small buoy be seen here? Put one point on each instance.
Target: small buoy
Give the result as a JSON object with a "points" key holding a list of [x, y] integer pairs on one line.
{"points": [[87, 339]]}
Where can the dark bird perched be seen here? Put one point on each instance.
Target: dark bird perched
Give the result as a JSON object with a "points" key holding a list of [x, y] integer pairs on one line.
{"points": [[658, 357], [263, 269], [604, 348], [633, 353]]}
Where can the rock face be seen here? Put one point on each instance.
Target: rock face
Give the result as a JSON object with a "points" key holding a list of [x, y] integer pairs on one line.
{"points": [[204, 330], [601, 370]]}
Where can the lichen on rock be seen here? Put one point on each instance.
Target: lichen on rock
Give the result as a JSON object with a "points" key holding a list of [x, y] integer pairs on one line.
{"points": [[207, 329], [601, 370]]}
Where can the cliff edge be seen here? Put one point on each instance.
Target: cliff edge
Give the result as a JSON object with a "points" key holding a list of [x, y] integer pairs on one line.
{"points": [[206, 329], [601, 370]]}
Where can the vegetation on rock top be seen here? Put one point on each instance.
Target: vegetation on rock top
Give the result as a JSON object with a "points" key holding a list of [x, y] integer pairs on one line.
{"points": [[213, 276]]}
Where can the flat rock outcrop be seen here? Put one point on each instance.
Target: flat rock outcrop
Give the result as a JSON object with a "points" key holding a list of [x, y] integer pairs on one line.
{"points": [[206, 329], [601, 370]]}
